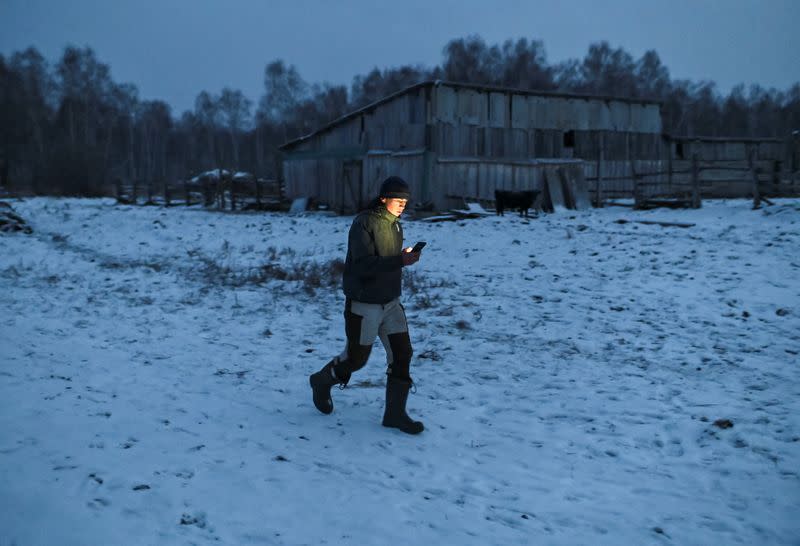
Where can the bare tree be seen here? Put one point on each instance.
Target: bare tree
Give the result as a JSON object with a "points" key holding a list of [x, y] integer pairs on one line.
{"points": [[607, 71], [235, 110], [284, 90], [652, 77], [206, 111], [468, 60], [126, 101], [70, 125], [155, 122], [28, 92], [524, 65], [377, 85]]}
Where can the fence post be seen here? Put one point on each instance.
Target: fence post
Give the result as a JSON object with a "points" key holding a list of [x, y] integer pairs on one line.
{"points": [[4, 177], [598, 195], [776, 178], [233, 191], [638, 198], [753, 172], [186, 192], [166, 193], [669, 167], [794, 164], [207, 193], [149, 192], [258, 193], [695, 182], [118, 186], [278, 159], [135, 196]]}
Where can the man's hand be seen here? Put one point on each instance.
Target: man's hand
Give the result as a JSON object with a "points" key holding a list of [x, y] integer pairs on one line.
{"points": [[409, 257]]}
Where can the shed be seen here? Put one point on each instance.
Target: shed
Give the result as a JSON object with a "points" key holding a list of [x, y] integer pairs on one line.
{"points": [[453, 141]]}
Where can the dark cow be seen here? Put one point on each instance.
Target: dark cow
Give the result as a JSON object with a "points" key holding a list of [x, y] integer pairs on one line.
{"points": [[522, 200]]}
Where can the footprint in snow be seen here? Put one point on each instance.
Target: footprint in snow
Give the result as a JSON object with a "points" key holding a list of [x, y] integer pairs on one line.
{"points": [[129, 443], [98, 503], [197, 519]]}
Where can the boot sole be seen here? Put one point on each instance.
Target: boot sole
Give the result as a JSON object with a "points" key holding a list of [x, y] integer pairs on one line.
{"points": [[407, 431], [324, 410]]}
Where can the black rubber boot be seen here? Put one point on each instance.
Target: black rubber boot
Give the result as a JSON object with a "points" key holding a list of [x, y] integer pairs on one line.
{"points": [[395, 415], [321, 383]]}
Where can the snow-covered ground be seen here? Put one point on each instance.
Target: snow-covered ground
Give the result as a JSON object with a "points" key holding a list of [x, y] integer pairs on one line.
{"points": [[570, 371]]}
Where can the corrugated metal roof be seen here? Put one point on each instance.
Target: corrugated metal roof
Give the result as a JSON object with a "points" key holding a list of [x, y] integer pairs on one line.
{"points": [[458, 85]]}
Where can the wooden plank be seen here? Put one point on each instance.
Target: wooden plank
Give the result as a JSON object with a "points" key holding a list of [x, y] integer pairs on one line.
{"points": [[695, 183], [663, 224], [566, 188], [598, 196], [756, 194], [554, 193], [726, 164], [580, 189]]}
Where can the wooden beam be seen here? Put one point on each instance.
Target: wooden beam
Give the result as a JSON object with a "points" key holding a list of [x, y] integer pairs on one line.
{"points": [[756, 194], [655, 223], [598, 196], [695, 183]]}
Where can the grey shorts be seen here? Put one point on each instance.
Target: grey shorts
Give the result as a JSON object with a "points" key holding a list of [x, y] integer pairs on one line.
{"points": [[371, 320]]}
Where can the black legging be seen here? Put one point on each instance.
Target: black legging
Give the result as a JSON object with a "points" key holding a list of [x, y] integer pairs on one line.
{"points": [[357, 354]]}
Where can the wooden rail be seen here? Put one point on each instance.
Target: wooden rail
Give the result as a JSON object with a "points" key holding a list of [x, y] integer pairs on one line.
{"points": [[715, 177], [223, 192]]}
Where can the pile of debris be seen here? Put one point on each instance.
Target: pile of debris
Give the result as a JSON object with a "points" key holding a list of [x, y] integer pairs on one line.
{"points": [[11, 221]]}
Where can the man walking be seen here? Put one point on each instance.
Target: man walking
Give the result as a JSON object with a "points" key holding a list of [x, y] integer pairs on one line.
{"points": [[372, 286]]}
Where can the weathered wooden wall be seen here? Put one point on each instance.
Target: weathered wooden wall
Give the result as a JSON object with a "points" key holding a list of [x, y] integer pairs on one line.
{"points": [[323, 179], [409, 165], [444, 137], [395, 124], [493, 124], [347, 184], [457, 105], [457, 179], [722, 149], [473, 141]]}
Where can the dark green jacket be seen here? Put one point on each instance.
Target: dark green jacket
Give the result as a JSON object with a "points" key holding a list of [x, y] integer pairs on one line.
{"points": [[373, 268]]}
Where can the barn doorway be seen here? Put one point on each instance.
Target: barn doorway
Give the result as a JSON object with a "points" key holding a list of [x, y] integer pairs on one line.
{"points": [[351, 186]]}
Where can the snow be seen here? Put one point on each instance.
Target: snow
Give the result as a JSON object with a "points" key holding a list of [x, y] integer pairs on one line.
{"points": [[213, 174], [569, 370]]}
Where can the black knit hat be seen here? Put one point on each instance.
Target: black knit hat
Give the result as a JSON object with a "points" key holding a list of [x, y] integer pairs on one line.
{"points": [[396, 187]]}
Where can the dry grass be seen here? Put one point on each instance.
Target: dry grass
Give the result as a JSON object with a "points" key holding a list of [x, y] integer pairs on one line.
{"points": [[309, 274], [423, 290], [286, 265]]}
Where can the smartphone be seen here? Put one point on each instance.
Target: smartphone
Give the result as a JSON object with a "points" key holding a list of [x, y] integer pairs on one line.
{"points": [[419, 246]]}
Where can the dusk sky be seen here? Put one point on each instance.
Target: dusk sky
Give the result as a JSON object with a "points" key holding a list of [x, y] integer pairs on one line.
{"points": [[173, 49]]}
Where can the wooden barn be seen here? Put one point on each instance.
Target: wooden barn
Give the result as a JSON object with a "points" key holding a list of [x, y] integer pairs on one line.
{"points": [[453, 141]]}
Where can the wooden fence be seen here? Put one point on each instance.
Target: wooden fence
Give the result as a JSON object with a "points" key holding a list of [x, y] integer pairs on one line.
{"points": [[662, 182], [223, 192], [685, 182]]}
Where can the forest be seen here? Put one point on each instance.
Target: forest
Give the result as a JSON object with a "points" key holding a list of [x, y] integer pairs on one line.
{"points": [[69, 129]]}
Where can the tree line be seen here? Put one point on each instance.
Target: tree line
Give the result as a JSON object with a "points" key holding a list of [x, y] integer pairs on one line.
{"points": [[68, 128]]}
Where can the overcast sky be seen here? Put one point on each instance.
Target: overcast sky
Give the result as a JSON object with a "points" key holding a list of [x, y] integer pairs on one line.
{"points": [[173, 49]]}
